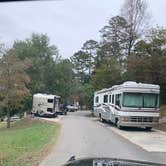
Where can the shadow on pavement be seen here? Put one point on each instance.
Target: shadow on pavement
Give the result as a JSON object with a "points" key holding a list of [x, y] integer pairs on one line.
{"points": [[89, 114], [130, 129]]}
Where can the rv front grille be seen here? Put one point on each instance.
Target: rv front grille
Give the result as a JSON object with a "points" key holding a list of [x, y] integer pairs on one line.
{"points": [[143, 119]]}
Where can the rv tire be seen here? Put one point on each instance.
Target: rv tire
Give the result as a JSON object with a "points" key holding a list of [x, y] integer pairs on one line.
{"points": [[101, 119], [65, 113], [118, 124], [148, 128], [41, 113]]}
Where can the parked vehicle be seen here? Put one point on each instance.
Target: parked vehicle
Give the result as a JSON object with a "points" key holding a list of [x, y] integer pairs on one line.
{"points": [[128, 104], [63, 109], [45, 105], [13, 118], [72, 108]]}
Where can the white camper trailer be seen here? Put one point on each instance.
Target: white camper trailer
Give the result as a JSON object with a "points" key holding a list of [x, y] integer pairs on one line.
{"points": [[128, 104], [45, 105]]}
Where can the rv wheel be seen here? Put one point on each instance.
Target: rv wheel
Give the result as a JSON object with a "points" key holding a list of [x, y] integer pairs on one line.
{"points": [[101, 119], [65, 113], [41, 113], [54, 115], [118, 124], [148, 128]]}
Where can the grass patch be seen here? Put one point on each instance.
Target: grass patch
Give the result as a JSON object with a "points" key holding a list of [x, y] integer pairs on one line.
{"points": [[26, 142], [2, 124], [163, 111]]}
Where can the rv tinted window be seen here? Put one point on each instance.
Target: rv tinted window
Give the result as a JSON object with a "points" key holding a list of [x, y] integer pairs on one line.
{"points": [[112, 99], [118, 100], [138, 100], [50, 100], [97, 99], [105, 98]]}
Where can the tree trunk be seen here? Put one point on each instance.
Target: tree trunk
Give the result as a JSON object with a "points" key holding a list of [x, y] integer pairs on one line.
{"points": [[8, 118], [129, 48]]}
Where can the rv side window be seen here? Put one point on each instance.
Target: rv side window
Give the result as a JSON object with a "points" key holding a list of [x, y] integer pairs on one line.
{"points": [[105, 98], [112, 99], [97, 99], [118, 100], [50, 100]]}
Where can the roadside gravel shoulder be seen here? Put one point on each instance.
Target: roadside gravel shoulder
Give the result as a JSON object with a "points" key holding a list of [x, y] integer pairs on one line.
{"points": [[162, 124]]}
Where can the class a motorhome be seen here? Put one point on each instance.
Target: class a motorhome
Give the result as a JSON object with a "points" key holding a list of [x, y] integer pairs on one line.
{"points": [[45, 104], [129, 104]]}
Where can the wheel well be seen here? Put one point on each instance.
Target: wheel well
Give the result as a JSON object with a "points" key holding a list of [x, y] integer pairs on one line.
{"points": [[116, 120]]}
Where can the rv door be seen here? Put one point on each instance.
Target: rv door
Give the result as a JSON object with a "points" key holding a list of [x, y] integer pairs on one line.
{"points": [[55, 102]]}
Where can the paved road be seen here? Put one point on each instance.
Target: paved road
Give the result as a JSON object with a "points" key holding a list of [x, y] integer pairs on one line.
{"points": [[85, 136]]}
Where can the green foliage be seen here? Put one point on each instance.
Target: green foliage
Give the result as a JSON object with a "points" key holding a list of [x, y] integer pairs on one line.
{"points": [[48, 72], [79, 60], [91, 48], [43, 57], [88, 95], [114, 37], [120, 58], [163, 111], [148, 62], [108, 74], [84, 60], [61, 80], [2, 113], [13, 83], [83, 64]]}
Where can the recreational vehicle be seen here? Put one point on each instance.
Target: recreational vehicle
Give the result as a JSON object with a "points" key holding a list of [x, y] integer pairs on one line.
{"points": [[129, 104], [45, 105]]}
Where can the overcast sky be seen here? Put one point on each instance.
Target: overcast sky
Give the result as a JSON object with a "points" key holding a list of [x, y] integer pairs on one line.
{"points": [[68, 23]]}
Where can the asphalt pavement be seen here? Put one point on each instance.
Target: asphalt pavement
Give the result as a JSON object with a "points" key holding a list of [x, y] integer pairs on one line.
{"points": [[84, 136]]}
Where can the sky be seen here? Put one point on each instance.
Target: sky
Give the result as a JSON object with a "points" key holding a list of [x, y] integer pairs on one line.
{"points": [[68, 23]]}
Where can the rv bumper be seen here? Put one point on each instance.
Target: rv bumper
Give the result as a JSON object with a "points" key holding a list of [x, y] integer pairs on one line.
{"points": [[138, 121]]}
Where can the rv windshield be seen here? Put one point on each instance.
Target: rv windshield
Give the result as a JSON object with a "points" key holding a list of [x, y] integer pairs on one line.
{"points": [[145, 100]]}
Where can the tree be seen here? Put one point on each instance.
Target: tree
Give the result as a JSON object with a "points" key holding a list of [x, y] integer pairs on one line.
{"points": [[80, 65], [61, 79], [48, 72], [147, 64], [114, 38], [13, 81], [77, 91], [79, 60], [108, 74], [90, 47], [43, 56], [88, 91], [135, 13]]}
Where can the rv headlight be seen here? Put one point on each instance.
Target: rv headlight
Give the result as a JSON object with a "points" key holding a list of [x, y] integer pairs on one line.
{"points": [[124, 118]]}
